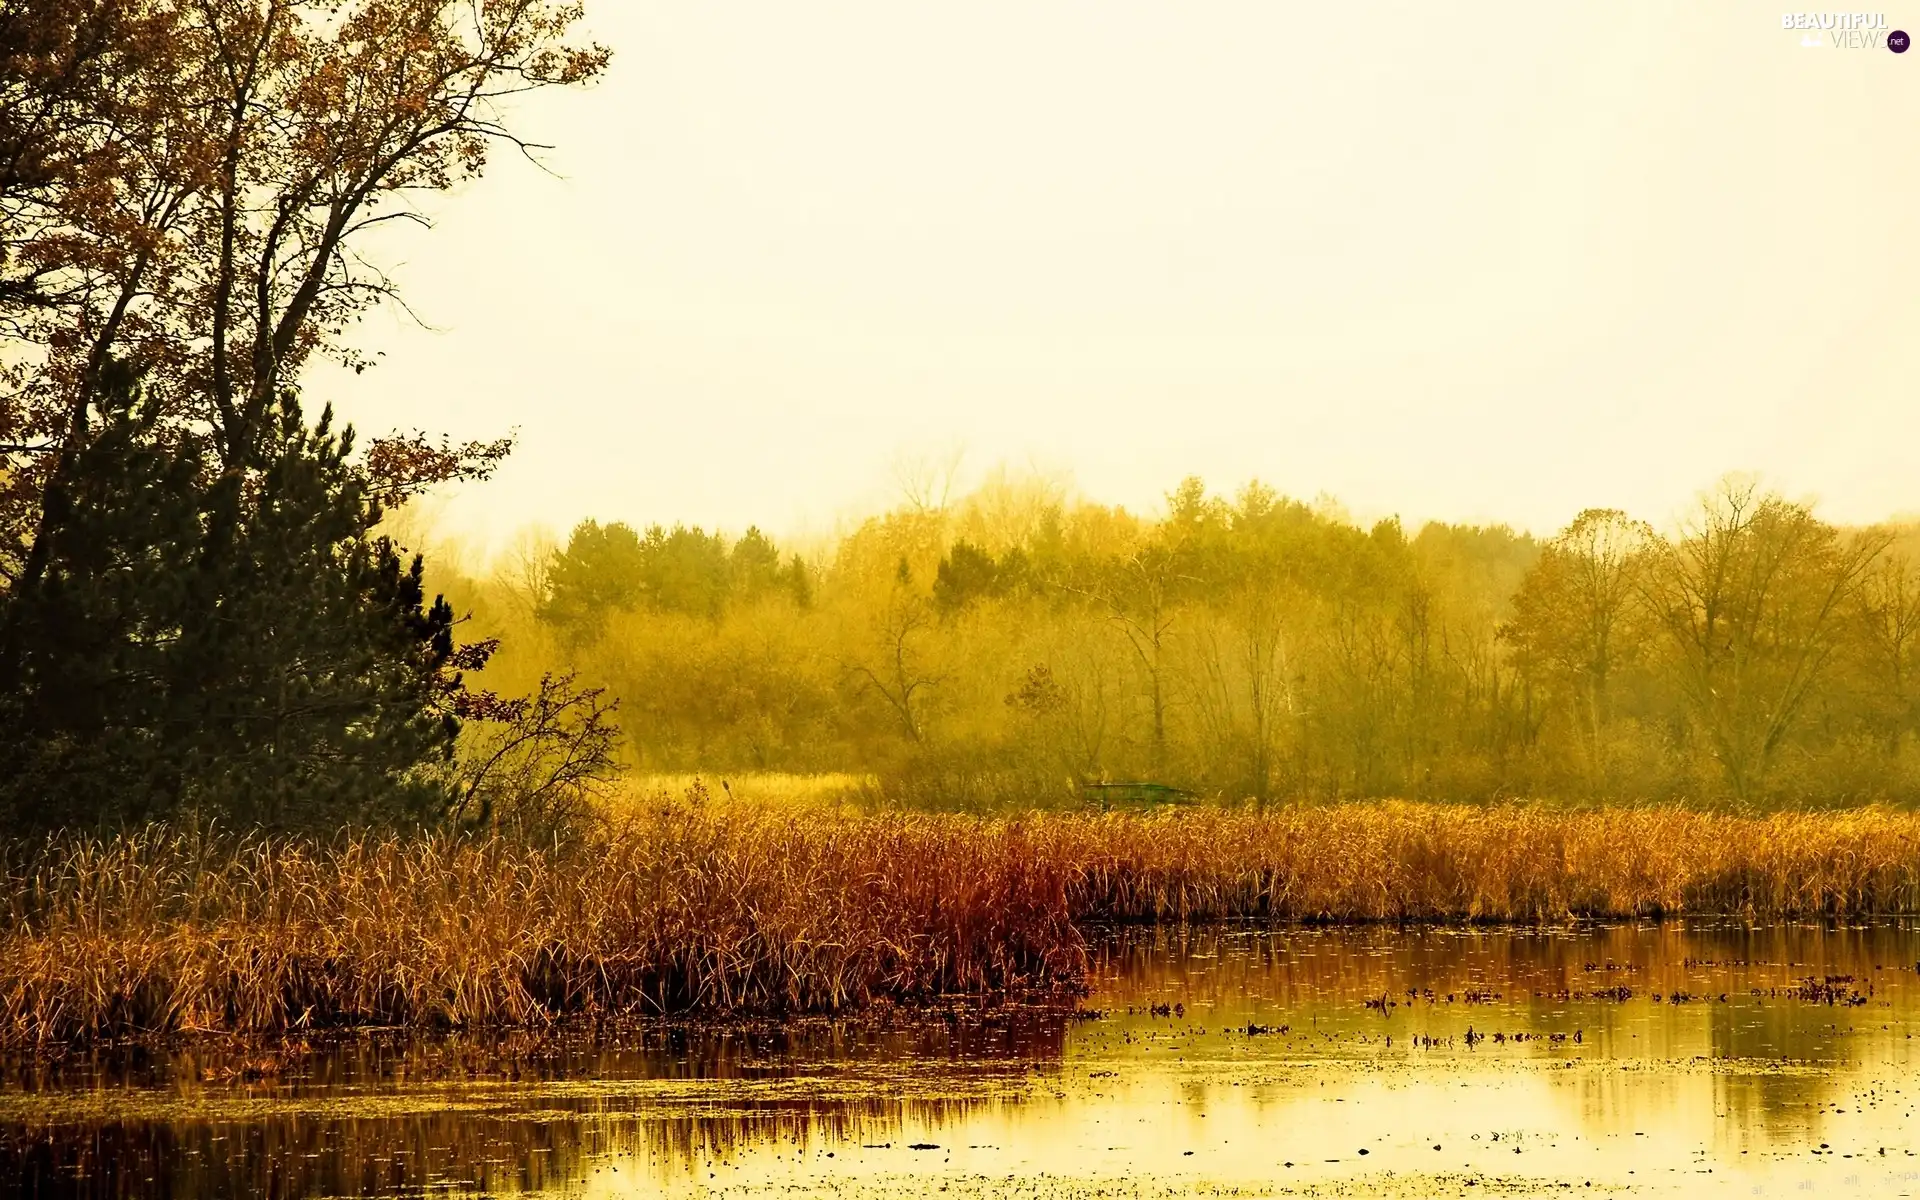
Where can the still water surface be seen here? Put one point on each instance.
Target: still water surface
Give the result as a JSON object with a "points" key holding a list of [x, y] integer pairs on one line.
{"points": [[1681, 1059]]}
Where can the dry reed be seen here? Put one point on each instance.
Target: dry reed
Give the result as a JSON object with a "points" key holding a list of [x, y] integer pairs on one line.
{"points": [[731, 908], [1399, 861], [720, 910]]}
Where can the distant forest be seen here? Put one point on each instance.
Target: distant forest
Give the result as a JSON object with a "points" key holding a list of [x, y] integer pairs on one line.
{"points": [[1014, 646]]}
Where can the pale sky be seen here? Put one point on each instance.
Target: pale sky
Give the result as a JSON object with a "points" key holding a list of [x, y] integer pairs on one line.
{"points": [[1487, 262]]}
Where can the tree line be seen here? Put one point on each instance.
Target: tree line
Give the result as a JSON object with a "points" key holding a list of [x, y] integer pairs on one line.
{"points": [[1020, 646]]}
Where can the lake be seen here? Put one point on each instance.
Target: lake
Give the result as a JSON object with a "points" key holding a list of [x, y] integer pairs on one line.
{"points": [[1682, 1058]]}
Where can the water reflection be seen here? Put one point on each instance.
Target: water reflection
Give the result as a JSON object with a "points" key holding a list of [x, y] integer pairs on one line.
{"points": [[1705, 1056]]}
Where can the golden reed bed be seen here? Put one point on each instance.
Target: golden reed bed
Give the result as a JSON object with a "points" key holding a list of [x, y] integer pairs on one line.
{"points": [[732, 909]]}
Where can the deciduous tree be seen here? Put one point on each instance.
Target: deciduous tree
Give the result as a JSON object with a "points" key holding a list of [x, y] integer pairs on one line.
{"points": [[1573, 618], [1751, 597], [192, 186]]}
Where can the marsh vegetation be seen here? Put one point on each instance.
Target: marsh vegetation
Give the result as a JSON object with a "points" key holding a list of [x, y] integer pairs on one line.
{"points": [[696, 906]]}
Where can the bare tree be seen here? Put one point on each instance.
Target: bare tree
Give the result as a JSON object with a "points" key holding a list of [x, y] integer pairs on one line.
{"points": [[1889, 618], [533, 764], [523, 569], [895, 666], [926, 481], [1138, 594], [1571, 613], [1750, 595]]}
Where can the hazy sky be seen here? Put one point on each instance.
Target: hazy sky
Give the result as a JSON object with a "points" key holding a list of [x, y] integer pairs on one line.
{"points": [[1498, 266]]}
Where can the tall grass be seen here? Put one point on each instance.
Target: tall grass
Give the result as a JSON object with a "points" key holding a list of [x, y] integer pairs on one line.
{"points": [[696, 909], [729, 907], [1401, 861]]}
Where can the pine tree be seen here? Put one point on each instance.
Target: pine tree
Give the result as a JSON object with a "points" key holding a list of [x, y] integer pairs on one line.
{"points": [[240, 646]]}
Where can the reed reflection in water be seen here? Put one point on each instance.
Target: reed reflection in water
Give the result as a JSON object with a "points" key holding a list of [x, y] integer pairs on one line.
{"points": [[1674, 1057]]}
